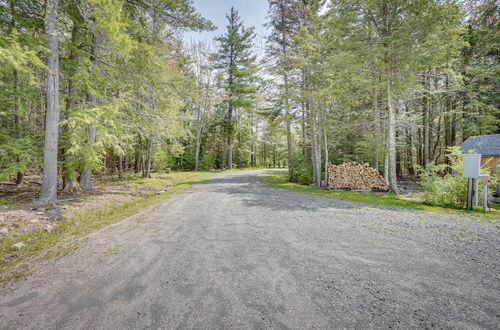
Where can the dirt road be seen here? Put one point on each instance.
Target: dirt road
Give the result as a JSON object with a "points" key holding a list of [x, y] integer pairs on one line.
{"points": [[235, 253]]}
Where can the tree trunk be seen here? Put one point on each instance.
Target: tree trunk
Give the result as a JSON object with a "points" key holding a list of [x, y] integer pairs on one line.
{"points": [[386, 165], [393, 182], [425, 122], [19, 178], [229, 153], [316, 147], [376, 132], [49, 181], [147, 173], [120, 165], [325, 137], [86, 177], [198, 148], [288, 129], [70, 184], [137, 165]]}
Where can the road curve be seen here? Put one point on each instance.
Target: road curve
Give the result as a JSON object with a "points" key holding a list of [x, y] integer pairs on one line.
{"points": [[233, 252]]}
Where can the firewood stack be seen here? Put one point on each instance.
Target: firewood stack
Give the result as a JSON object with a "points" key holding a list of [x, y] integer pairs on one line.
{"points": [[355, 176]]}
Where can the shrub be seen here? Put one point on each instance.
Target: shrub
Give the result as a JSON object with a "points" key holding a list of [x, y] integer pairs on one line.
{"points": [[301, 170], [207, 162], [443, 184]]}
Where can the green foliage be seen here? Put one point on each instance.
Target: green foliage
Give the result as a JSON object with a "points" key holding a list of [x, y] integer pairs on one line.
{"points": [[279, 180], [237, 64], [481, 60], [17, 154], [162, 159], [207, 162], [301, 171], [443, 190], [443, 184]]}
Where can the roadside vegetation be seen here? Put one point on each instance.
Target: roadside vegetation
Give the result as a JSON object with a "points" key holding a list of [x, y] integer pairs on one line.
{"points": [[411, 201], [22, 245]]}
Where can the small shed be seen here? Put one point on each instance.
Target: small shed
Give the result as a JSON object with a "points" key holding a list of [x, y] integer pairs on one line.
{"points": [[489, 148]]}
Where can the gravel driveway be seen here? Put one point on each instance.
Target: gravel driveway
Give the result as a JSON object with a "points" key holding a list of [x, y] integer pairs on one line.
{"points": [[232, 252]]}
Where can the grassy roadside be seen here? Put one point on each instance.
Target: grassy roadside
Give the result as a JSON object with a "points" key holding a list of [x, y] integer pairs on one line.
{"points": [[40, 244], [279, 180]]}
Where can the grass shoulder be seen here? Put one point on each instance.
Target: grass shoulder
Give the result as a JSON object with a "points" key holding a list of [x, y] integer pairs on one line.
{"points": [[280, 180]]}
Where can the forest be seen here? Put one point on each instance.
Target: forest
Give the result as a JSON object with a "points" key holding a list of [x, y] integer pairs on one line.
{"points": [[108, 87]]}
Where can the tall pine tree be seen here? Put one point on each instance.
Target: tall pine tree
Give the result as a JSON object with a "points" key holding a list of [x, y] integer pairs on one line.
{"points": [[235, 58]]}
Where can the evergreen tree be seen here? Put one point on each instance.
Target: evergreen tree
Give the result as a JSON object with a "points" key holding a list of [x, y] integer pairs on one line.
{"points": [[235, 58], [284, 20]]}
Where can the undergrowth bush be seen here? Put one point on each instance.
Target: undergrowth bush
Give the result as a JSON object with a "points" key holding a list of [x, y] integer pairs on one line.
{"points": [[301, 170], [443, 184]]}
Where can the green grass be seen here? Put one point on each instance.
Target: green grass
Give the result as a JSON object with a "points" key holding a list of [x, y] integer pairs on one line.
{"points": [[40, 244], [8, 202], [280, 180]]}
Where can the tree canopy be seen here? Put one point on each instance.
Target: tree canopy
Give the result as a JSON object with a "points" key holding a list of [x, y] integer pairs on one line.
{"points": [[103, 87]]}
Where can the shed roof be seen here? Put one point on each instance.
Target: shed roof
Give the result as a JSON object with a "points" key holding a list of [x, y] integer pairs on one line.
{"points": [[486, 145]]}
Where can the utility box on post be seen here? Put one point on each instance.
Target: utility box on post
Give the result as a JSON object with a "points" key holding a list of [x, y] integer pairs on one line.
{"points": [[472, 166]]}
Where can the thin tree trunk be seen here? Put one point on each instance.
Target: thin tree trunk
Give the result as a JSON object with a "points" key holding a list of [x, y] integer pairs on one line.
{"points": [[86, 177], [288, 129], [199, 135], [49, 181], [325, 137], [19, 178], [20, 175], [386, 165], [316, 147], [376, 133], [137, 165], [120, 165], [147, 173], [426, 123], [393, 182], [198, 148], [229, 153], [70, 184]]}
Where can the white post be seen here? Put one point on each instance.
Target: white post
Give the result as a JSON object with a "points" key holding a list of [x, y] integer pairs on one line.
{"points": [[486, 179], [485, 195], [476, 193]]}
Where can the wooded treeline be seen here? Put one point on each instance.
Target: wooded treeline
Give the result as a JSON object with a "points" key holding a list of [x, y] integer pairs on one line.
{"points": [[393, 83], [108, 86]]}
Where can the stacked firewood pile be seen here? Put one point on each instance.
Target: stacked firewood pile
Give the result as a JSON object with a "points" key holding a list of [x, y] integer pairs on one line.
{"points": [[355, 176]]}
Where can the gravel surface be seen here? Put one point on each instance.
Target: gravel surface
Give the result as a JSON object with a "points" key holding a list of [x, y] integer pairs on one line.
{"points": [[232, 252]]}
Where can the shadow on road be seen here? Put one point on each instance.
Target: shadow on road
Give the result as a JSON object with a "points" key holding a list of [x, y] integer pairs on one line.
{"points": [[254, 193]]}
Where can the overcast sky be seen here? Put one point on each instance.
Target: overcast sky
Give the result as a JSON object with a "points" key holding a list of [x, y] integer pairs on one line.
{"points": [[252, 13]]}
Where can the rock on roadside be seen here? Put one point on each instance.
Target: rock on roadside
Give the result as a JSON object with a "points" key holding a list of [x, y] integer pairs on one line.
{"points": [[18, 246]]}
